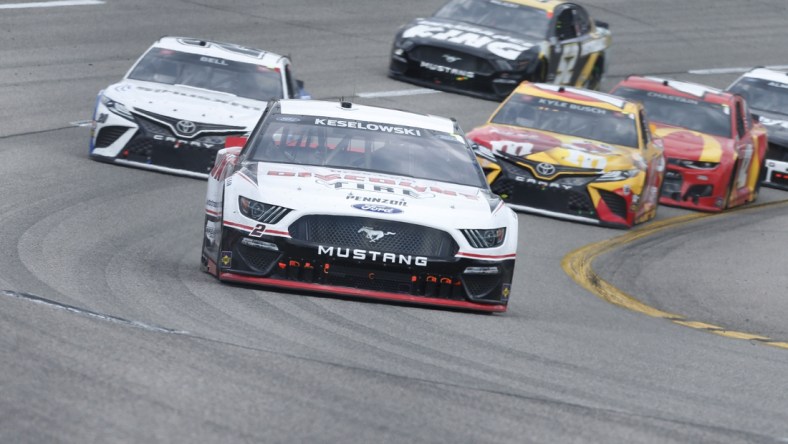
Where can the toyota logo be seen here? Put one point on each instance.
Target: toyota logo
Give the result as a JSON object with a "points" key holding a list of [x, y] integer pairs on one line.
{"points": [[545, 169], [186, 127], [450, 58]]}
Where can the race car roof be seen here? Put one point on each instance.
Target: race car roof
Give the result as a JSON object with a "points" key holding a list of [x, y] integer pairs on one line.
{"points": [[678, 88], [576, 95], [353, 111], [229, 51], [771, 75]]}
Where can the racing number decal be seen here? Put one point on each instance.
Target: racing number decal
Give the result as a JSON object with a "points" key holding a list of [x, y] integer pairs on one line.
{"points": [[566, 64], [744, 167], [258, 231], [585, 160]]}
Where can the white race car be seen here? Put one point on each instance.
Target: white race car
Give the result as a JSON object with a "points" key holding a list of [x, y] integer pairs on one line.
{"points": [[341, 198], [181, 99], [766, 91]]}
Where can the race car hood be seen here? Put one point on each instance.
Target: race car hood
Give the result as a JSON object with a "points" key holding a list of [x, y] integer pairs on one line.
{"points": [[333, 191], [187, 103], [558, 149], [776, 125], [681, 143], [464, 37]]}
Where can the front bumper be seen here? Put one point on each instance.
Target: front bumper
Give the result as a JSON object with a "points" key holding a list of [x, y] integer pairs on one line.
{"points": [[776, 167], [702, 190], [567, 198], [145, 143], [478, 79], [289, 263]]}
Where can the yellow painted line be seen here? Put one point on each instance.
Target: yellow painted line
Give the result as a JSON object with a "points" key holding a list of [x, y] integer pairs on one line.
{"points": [[578, 264]]}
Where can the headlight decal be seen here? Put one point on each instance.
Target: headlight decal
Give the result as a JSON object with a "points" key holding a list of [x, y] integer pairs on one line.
{"points": [[261, 212], [116, 108], [479, 238]]}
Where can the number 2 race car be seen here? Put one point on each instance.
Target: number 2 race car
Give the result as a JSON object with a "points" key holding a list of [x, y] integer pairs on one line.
{"points": [[713, 148], [175, 107], [486, 48], [766, 92], [572, 153], [341, 198]]}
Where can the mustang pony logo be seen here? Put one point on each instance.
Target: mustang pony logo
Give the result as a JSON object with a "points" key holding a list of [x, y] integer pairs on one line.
{"points": [[374, 235]]}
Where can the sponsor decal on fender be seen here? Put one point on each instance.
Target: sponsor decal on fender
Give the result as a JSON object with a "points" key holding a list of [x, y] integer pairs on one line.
{"points": [[372, 256]]}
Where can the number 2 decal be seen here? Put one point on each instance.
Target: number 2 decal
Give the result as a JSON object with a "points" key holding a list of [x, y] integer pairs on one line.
{"points": [[258, 231], [566, 65]]}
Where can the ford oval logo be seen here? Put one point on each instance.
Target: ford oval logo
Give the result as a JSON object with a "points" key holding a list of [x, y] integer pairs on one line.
{"points": [[373, 208]]}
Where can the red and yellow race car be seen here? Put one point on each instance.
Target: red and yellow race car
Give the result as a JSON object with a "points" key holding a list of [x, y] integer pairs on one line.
{"points": [[572, 153], [714, 148]]}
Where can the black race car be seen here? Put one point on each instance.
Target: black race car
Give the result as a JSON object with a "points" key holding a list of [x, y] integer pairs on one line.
{"points": [[485, 48]]}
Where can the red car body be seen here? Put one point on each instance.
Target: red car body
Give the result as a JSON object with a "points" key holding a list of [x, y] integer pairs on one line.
{"points": [[714, 148]]}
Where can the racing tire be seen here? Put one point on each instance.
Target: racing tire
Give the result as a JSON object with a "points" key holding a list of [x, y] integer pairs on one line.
{"points": [[594, 81], [540, 73], [731, 186], [761, 178]]}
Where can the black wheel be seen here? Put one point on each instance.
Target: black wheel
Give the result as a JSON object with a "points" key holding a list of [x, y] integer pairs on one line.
{"points": [[540, 73], [594, 81], [731, 186]]}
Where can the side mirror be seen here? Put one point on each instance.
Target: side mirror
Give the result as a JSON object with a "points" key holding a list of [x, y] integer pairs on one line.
{"points": [[755, 118]]}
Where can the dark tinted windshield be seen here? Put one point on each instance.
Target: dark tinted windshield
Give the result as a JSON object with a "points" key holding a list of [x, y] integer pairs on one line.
{"points": [[765, 95], [227, 76], [598, 124], [498, 14], [368, 146], [696, 115]]}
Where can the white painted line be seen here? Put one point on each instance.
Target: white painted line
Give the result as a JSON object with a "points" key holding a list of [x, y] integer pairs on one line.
{"points": [[398, 93], [51, 4], [706, 72]]}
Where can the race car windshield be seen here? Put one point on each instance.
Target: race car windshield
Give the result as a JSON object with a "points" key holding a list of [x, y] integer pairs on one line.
{"points": [[216, 74], [763, 95], [695, 115], [368, 146], [572, 119], [498, 14]]}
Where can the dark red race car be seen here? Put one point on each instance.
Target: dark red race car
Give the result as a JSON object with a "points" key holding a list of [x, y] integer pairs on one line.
{"points": [[714, 148]]}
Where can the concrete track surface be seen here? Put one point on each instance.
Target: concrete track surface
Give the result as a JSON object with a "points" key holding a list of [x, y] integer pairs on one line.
{"points": [[110, 333]]}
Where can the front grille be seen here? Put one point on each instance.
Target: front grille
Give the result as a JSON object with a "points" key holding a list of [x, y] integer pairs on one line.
{"points": [[671, 187], [616, 203], [257, 259], [374, 234], [516, 185], [153, 128], [167, 123], [452, 59], [479, 286], [777, 152], [108, 135]]}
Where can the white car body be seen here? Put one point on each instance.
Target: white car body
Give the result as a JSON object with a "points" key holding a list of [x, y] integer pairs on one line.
{"points": [[358, 231], [152, 120], [766, 91]]}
